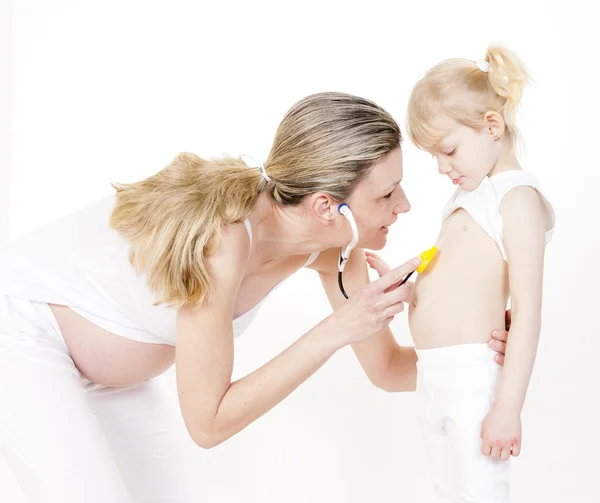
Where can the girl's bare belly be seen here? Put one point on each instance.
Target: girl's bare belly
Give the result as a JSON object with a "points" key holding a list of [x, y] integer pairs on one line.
{"points": [[109, 359], [462, 295]]}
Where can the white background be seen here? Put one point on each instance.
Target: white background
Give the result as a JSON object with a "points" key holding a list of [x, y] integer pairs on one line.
{"points": [[99, 91]]}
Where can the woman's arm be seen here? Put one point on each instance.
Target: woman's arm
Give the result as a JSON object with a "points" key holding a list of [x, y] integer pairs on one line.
{"points": [[524, 239], [214, 408], [388, 365]]}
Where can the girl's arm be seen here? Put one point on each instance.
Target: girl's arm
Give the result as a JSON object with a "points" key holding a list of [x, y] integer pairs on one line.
{"points": [[524, 224]]}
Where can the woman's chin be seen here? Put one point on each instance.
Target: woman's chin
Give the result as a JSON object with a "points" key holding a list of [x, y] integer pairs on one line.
{"points": [[375, 243]]}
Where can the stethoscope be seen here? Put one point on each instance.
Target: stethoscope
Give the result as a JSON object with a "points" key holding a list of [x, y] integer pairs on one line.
{"points": [[345, 252], [344, 209]]}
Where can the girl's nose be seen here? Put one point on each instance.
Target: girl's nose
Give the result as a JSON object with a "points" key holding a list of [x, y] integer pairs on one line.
{"points": [[444, 167]]}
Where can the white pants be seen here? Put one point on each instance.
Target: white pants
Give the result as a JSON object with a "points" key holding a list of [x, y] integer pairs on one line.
{"points": [[70, 441], [456, 387]]}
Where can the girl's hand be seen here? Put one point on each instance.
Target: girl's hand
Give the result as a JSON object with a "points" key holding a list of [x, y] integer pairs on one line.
{"points": [[501, 434]]}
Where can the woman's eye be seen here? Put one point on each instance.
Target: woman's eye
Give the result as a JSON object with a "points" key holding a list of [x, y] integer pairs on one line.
{"points": [[389, 195]]}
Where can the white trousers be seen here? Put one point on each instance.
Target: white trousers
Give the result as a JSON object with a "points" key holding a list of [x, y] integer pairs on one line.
{"points": [[456, 387], [70, 441]]}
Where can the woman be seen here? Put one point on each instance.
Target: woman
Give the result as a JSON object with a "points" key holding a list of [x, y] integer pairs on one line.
{"points": [[98, 303]]}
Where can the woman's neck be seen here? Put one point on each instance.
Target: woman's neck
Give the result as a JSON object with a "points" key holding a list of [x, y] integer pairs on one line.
{"points": [[280, 232]]}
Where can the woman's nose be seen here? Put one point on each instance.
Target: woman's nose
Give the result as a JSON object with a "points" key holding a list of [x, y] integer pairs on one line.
{"points": [[403, 205]]}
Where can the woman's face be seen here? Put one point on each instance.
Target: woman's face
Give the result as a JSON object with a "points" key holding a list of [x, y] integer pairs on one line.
{"points": [[378, 200]]}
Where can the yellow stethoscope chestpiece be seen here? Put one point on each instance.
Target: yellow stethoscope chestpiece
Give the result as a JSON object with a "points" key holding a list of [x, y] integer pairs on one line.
{"points": [[426, 257]]}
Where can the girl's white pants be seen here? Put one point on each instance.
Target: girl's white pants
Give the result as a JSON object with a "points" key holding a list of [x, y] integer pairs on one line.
{"points": [[456, 387]]}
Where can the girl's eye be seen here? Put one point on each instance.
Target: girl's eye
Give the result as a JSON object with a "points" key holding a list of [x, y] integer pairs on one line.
{"points": [[452, 152]]}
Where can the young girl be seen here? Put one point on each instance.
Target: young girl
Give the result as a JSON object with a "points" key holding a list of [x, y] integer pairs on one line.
{"points": [[494, 231]]}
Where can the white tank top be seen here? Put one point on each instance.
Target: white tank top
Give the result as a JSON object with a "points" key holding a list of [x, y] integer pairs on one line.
{"points": [[483, 203], [81, 262]]}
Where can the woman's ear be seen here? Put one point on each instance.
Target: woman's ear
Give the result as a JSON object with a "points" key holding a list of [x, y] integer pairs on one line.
{"points": [[323, 207], [495, 125]]}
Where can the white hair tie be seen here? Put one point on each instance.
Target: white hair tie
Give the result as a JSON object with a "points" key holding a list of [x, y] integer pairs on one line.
{"points": [[253, 163], [483, 65], [264, 173]]}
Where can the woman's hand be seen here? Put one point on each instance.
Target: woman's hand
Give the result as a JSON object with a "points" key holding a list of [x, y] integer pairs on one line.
{"points": [[499, 337], [371, 308], [377, 263]]}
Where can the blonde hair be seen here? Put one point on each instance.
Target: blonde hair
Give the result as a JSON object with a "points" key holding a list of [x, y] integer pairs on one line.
{"points": [[326, 142], [460, 90]]}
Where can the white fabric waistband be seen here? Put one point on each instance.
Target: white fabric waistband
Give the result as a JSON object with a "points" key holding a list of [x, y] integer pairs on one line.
{"points": [[455, 355]]}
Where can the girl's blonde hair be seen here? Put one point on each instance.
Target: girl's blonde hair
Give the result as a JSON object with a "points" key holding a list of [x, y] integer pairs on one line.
{"points": [[460, 90], [326, 142]]}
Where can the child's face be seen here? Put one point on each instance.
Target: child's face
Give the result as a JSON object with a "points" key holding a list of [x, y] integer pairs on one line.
{"points": [[466, 155]]}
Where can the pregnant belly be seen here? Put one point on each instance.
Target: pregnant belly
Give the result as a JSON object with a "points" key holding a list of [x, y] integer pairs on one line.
{"points": [[109, 359]]}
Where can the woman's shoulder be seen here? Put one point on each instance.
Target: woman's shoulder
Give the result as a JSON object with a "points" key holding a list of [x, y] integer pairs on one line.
{"points": [[235, 244], [225, 265], [325, 261]]}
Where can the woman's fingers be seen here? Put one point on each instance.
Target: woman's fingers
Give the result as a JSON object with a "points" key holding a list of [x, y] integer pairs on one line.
{"points": [[396, 275], [396, 295], [393, 301], [377, 263], [392, 311]]}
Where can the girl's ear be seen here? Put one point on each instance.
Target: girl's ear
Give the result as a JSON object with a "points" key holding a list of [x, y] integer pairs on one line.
{"points": [[495, 125]]}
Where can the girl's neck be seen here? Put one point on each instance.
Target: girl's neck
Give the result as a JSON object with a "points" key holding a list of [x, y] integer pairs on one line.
{"points": [[507, 161]]}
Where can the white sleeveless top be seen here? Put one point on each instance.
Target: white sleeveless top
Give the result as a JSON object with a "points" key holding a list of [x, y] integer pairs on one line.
{"points": [[483, 203], [81, 262]]}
